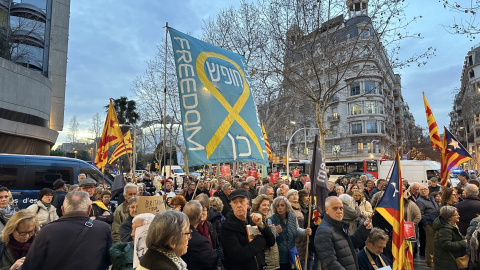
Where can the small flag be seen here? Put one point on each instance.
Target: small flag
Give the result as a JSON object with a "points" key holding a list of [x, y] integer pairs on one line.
{"points": [[319, 178], [267, 144], [432, 126], [123, 147], [391, 208], [110, 136], [453, 155]]}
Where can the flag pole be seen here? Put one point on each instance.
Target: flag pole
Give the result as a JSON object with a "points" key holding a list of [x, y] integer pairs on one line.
{"points": [[388, 174], [312, 199], [165, 103]]}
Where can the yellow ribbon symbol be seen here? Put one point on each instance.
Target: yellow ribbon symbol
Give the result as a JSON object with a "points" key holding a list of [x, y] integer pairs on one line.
{"points": [[233, 112]]}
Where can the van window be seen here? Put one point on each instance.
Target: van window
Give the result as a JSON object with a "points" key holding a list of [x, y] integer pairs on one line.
{"points": [[433, 173], [94, 175], [9, 177], [45, 176]]}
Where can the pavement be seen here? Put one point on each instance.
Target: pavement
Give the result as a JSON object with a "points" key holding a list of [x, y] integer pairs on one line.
{"points": [[419, 263]]}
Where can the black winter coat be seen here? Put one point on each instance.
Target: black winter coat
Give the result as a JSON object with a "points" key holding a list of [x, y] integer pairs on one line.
{"points": [[215, 218], [226, 203], [335, 248], [60, 234], [239, 253], [155, 260], [468, 209], [199, 253], [429, 209], [57, 202], [448, 242]]}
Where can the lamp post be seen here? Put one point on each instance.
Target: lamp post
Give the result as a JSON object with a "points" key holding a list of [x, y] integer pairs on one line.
{"points": [[288, 148], [466, 144], [134, 146]]}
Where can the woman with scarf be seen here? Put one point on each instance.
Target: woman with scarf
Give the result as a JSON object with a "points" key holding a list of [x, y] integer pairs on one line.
{"points": [[6, 209], [287, 229], [300, 242], [43, 209], [17, 237]]}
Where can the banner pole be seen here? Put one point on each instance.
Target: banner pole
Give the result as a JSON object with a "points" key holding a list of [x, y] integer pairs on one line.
{"points": [[308, 226], [165, 103]]}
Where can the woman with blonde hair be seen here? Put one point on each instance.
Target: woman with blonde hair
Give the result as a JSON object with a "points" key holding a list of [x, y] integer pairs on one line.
{"points": [[17, 237], [365, 207]]}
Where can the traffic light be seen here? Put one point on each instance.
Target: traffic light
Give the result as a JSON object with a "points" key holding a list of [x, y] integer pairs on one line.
{"points": [[284, 160]]}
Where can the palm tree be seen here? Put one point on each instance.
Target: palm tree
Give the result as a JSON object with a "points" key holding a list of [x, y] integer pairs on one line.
{"points": [[126, 111]]}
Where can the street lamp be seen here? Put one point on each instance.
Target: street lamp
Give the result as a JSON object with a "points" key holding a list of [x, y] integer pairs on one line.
{"points": [[134, 146], [466, 144], [288, 148]]}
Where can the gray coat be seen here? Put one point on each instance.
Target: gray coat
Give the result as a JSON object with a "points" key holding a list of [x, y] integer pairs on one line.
{"points": [[335, 248]]}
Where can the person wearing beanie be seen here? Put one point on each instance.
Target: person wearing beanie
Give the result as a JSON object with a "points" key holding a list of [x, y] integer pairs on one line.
{"points": [[59, 195], [43, 209]]}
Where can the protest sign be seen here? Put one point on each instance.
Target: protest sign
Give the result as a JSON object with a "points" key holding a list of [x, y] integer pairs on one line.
{"points": [[150, 204]]}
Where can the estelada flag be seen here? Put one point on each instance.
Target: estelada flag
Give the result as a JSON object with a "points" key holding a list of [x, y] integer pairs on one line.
{"points": [[267, 144], [453, 155], [391, 208], [110, 136], [123, 147]]}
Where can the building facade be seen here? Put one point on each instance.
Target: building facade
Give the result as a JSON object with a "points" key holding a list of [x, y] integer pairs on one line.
{"points": [[33, 63], [366, 116], [465, 114]]}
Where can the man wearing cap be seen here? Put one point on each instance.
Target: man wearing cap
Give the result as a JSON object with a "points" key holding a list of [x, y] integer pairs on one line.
{"points": [[99, 210], [240, 253], [59, 195], [463, 177]]}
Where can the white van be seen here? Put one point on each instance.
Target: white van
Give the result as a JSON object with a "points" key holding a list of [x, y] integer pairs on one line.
{"points": [[419, 171], [173, 171]]}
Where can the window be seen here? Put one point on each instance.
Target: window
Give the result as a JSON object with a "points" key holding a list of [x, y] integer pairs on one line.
{"points": [[372, 127], [370, 107], [8, 177], [369, 87], [355, 109], [354, 89], [382, 127], [359, 147], [45, 176], [369, 148], [357, 128], [335, 116]]}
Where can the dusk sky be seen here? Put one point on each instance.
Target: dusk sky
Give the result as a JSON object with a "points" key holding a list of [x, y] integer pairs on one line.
{"points": [[110, 42]]}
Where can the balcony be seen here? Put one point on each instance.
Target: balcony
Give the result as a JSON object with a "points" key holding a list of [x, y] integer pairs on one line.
{"points": [[396, 104], [397, 119], [334, 99], [458, 108], [396, 92], [333, 118]]}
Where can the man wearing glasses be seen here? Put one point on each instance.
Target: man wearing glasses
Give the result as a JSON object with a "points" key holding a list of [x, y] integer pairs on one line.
{"points": [[429, 210]]}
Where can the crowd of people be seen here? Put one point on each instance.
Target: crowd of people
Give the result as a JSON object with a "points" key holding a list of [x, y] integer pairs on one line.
{"points": [[236, 222]]}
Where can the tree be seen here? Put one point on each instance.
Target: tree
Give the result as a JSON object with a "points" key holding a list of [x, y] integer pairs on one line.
{"points": [[57, 152], [465, 22], [97, 126], [150, 91], [126, 111], [301, 53], [83, 155], [73, 131]]}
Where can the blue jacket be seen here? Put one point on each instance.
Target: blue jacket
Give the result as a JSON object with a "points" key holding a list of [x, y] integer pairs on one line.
{"points": [[286, 238], [429, 209]]}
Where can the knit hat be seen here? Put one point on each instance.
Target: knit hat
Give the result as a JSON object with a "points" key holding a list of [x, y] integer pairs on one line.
{"points": [[58, 184]]}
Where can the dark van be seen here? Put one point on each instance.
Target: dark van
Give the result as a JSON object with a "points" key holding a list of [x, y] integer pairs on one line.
{"points": [[25, 175]]}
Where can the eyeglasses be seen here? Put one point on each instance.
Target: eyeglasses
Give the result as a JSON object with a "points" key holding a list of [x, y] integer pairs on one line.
{"points": [[188, 234], [22, 234]]}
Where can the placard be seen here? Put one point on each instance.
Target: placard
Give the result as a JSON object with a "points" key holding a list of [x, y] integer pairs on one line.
{"points": [[274, 176], [150, 204], [296, 173], [225, 169], [409, 231], [140, 246]]}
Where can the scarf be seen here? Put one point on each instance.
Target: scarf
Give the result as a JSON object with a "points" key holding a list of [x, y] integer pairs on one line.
{"points": [[175, 259], [46, 204], [19, 250], [6, 213], [203, 230]]}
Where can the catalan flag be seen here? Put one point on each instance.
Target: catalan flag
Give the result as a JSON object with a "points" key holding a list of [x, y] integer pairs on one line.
{"points": [[110, 136], [122, 148], [267, 144], [432, 126], [453, 155], [391, 208]]}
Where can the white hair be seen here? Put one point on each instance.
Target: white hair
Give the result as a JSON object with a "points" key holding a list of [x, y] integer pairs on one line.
{"points": [[146, 218], [129, 186], [347, 200], [471, 190], [76, 201]]}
